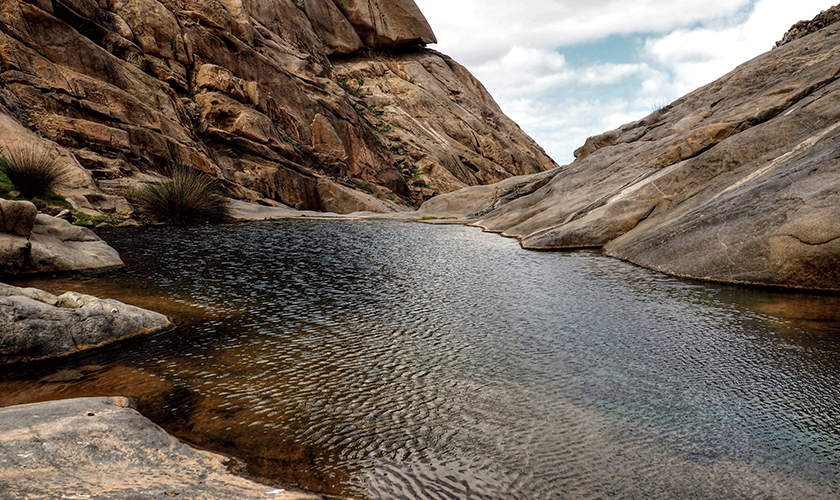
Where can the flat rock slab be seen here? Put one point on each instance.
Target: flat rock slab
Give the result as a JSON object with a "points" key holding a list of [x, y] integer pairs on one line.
{"points": [[36, 325], [99, 448]]}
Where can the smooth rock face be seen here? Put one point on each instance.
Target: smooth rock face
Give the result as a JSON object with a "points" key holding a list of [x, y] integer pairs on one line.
{"points": [[234, 87], [737, 182], [344, 200], [101, 448], [38, 325], [57, 245]]}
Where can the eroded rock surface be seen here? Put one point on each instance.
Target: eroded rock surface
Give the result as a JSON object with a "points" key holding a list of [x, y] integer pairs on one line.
{"points": [[739, 181], [101, 448], [36, 325], [274, 97]]}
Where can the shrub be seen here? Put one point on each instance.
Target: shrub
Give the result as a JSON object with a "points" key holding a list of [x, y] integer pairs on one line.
{"points": [[186, 197], [32, 169]]}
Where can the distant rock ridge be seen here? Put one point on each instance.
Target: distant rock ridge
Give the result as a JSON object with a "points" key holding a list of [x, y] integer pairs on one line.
{"points": [[736, 182], [287, 102]]}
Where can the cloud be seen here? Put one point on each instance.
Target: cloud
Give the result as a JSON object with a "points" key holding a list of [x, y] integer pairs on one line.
{"points": [[569, 69], [478, 30]]}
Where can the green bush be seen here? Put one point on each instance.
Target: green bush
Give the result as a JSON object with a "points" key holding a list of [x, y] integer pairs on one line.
{"points": [[32, 169], [5, 184], [186, 197]]}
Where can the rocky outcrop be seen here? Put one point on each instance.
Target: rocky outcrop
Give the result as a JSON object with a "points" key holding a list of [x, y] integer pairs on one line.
{"points": [[387, 23], [36, 325], [736, 182], [802, 28], [101, 448], [274, 97], [31, 242]]}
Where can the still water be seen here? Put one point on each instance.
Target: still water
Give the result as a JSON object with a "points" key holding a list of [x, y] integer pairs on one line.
{"points": [[393, 360]]}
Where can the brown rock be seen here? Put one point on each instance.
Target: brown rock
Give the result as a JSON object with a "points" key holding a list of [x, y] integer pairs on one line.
{"points": [[84, 8], [17, 217], [438, 120], [803, 28], [212, 77], [386, 24], [47, 449], [325, 139], [332, 27], [130, 87], [344, 200]]}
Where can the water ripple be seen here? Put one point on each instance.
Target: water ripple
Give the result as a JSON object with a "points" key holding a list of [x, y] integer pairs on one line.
{"points": [[385, 360]]}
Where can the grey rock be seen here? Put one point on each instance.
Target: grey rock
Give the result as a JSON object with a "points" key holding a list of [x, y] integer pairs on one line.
{"points": [[14, 251], [37, 325], [737, 182], [58, 245]]}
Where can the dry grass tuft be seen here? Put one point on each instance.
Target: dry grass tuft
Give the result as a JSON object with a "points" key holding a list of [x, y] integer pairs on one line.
{"points": [[186, 197], [33, 170]]}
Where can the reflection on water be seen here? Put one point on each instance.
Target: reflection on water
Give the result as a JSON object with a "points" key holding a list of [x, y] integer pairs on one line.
{"points": [[386, 360]]}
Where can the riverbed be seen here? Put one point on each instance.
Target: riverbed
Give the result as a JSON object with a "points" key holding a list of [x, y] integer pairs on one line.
{"points": [[387, 360]]}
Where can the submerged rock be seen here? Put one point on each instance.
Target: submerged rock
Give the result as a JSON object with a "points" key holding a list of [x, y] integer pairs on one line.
{"points": [[37, 325], [737, 182], [101, 448]]}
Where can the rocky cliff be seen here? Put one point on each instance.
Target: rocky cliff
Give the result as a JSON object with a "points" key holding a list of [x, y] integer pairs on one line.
{"points": [[316, 104], [737, 182]]}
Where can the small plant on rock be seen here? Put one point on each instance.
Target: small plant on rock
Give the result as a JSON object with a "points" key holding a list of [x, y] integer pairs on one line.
{"points": [[135, 60], [33, 170], [185, 197]]}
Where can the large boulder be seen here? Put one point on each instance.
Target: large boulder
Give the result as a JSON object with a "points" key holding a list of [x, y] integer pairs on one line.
{"points": [[17, 217], [388, 23], [102, 448], [736, 182], [38, 325], [338, 35], [57, 245]]}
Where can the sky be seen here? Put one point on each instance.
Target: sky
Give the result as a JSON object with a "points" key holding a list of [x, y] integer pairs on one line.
{"points": [[565, 70]]}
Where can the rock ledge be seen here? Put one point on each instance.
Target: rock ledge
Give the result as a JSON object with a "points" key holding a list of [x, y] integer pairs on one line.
{"points": [[100, 448], [37, 325]]}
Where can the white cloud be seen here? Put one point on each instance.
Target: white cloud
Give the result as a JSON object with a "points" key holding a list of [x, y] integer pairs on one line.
{"points": [[517, 50], [477, 30]]}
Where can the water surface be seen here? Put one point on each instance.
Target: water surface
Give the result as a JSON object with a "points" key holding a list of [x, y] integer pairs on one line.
{"points": [[389, 360]]}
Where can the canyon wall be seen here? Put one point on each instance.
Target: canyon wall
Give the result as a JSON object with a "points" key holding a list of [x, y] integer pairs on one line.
{"points": [[312, 104], [737, 182]]}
